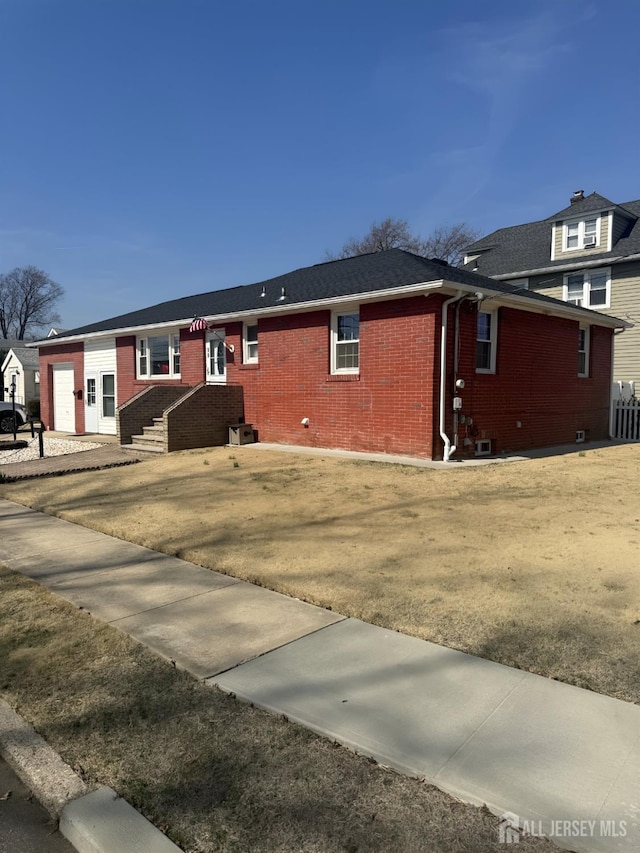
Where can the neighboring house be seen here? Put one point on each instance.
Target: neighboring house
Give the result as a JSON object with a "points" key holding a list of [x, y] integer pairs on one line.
{"points": [[586, 254], [387, 352], [22, 365], [5, 346]]}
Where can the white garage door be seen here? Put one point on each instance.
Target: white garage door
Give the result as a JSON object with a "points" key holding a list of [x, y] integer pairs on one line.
{"points": [[64, 402]]}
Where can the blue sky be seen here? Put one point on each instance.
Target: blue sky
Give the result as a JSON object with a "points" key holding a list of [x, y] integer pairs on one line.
{"points": [[157, 148]]}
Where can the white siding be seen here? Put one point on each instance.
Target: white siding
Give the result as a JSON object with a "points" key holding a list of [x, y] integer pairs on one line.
{"points": [[100, 358]]}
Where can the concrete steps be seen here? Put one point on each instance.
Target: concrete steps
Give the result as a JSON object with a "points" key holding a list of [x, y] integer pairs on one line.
{"points": [[151, 440], [147, 448]]}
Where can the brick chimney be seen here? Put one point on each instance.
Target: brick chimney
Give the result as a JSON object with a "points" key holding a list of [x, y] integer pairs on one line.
{"points": [[577, 196]]}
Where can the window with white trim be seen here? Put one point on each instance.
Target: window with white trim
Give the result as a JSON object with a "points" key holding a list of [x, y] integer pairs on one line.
{"points": [[487, 326], [108, 395], [158, 356], [588, 288], [584, 334], [581, 234], [345, 350], [250, 343]]}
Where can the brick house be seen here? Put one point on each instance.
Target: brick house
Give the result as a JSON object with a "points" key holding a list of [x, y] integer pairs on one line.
{"points": [[388, 352]]}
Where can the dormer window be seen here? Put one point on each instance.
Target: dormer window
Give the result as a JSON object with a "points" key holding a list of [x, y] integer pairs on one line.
{"points": [[581, 234]]}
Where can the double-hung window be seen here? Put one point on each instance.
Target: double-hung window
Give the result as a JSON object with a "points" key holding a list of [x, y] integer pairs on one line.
{"points": [[583, 350], [159, 356], [486, 331], [589, 289], [582, 234], [345, 350], [250, 343], [108, 395]]}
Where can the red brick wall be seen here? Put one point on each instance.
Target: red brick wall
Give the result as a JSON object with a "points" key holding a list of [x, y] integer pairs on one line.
{"points": [[536, 382], [192, 366], [388, 407], [63, 354]]}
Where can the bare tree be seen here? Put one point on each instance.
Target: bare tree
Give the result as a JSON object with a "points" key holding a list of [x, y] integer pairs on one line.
{"points": [[445, 242], [27, 301], [449, 242], [388, 234]]}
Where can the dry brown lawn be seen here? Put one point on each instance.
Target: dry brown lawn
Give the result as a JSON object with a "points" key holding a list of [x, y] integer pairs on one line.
{"points": [[215, 774], [533, 564]]}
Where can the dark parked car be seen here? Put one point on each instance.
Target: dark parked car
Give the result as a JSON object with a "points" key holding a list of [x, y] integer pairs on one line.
{"points": [[6, 416]]}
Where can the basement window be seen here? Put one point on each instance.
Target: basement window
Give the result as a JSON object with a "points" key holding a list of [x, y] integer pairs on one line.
{"points": [[483, 447]]}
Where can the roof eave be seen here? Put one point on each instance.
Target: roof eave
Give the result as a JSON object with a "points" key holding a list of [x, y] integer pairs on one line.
{"points": [[271, 310], [577, 264], [425, 287]]}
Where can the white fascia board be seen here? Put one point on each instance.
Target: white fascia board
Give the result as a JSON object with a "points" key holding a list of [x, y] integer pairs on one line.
{"points": [[562, 309], [526, 303], [577, 264], [6, 361], [290, 308]]}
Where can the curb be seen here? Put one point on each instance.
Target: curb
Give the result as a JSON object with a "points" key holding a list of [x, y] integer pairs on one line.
{"points": [[99, 821]]}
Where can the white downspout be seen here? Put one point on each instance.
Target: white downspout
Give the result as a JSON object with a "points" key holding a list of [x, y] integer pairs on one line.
{"points": [[448, 449]]}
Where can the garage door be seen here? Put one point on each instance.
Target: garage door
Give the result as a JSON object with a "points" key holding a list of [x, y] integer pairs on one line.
{"points": [[64, 402]]}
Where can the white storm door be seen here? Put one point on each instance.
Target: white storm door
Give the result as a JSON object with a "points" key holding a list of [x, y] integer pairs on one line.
{"points": [[216, 356], [64, 401], [91, 404]]}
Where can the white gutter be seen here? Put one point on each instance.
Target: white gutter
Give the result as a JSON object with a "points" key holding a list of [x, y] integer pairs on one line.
{"points": [[448, 449], [578, 263], [284, 308]]}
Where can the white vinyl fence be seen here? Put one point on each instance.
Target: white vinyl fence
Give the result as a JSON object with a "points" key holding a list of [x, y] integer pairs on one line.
{"points": [[626, 420]]}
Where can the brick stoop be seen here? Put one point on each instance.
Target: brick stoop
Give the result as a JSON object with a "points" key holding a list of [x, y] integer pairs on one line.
{"points": [[195, 417]]}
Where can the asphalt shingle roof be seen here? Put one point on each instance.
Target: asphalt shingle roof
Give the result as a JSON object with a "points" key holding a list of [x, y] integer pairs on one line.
{"points": [[588, 204], [342, 278], [28, 357], [510, 251]]}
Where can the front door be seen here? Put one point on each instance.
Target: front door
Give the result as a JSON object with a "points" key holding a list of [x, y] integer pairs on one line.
{"points": [[216, 356], [64, 401], [90, 404]]}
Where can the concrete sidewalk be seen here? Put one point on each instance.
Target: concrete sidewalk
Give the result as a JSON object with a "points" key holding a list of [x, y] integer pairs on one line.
{"points": [[563, 761]]}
